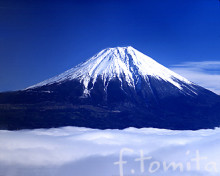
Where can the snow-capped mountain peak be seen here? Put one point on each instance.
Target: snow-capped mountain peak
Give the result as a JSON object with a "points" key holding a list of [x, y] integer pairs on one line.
{"points": [[117, 88], [117, 62]]}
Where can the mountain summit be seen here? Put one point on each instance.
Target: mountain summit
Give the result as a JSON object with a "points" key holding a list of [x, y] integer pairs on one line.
{"points": [[117, 88], [124, 63]]}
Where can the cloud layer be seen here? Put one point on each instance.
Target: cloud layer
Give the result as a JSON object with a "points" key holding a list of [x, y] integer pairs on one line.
{"points": [[205, 73], [82, 151]]}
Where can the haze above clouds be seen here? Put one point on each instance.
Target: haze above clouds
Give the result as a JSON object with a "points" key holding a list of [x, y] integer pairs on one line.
{"points": [[205, 73]]}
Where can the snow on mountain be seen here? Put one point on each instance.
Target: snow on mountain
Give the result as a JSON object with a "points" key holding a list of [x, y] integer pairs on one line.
{"points": [[119, 62], [115, 89]]}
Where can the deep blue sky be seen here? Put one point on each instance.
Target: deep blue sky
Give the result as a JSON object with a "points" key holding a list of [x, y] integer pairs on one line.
{"points": [[42, 38]]}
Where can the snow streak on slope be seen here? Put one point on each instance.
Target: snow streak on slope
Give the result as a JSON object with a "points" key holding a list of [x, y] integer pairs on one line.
{"points": [[117, 62]]}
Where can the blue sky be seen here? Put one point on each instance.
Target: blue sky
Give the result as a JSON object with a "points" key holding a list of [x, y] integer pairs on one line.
{"points": [[42, 38]]}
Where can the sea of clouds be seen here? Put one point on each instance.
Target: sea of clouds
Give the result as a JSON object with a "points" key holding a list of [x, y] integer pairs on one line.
{"points": [[74, 151]]}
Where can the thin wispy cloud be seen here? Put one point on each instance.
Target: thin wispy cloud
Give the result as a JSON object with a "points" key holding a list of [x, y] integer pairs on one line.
{"points": [[204, 73]]}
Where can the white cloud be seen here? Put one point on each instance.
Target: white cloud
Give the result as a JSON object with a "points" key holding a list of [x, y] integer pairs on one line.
{"points": [[81, 151], [205, 73]]}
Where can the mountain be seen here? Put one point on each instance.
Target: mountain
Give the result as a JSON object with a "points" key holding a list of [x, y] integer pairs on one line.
{"points": [[117, 88]]}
